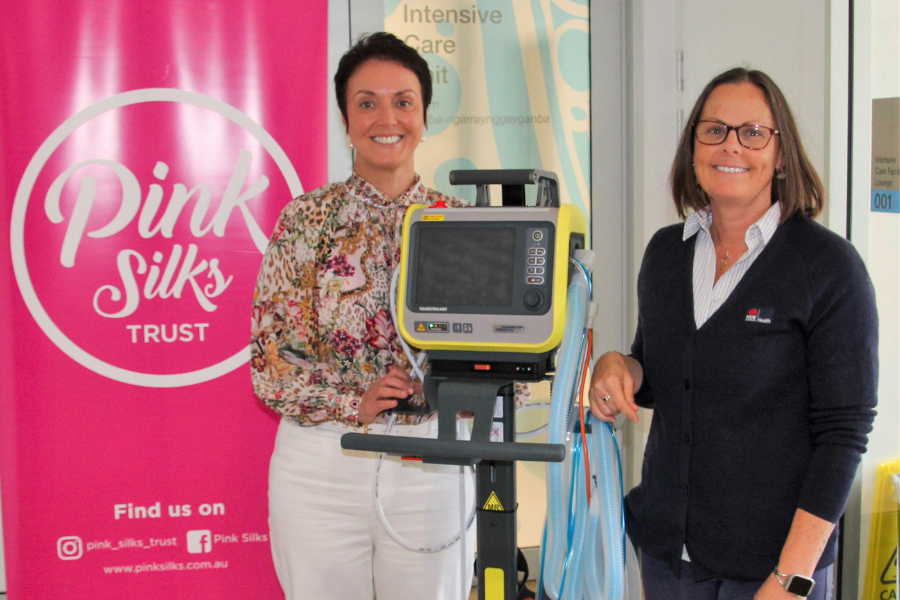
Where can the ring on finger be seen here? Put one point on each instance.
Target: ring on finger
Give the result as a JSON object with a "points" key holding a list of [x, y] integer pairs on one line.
{"points": [[606, 398]]}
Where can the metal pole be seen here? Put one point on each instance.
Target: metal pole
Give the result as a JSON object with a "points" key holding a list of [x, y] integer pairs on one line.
{"points": [[495, 494]]}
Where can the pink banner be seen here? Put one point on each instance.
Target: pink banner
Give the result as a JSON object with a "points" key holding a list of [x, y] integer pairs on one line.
{"points": [[147, 149]]}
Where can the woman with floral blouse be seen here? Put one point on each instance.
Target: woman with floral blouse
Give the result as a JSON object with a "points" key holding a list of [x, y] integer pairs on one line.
{"points": [[326, 356]]}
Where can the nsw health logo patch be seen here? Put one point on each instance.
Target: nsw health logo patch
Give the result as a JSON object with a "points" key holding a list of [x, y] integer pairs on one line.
{"points": [[760, 315]]}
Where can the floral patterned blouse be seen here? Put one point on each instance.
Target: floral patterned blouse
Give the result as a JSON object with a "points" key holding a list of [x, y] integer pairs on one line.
{"points": [[322, 327]]}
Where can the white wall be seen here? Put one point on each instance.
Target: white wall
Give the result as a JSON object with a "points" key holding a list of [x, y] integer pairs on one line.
{"points": [[653, 98], [609, 179]]}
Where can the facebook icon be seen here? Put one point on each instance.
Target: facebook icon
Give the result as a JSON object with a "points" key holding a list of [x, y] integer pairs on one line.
{"points": [[199, 541]]}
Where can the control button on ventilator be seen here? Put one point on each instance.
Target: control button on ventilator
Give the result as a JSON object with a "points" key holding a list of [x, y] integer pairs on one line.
{"points": [[533, 299], [537, 235], [535, 280]]}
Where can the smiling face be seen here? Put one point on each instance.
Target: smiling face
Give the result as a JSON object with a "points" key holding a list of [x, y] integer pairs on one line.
{"points": [[728, 172], [385, 119]]}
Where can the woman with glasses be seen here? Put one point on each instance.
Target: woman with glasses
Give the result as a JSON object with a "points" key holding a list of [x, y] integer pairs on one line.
{"points": [[756, 348]]}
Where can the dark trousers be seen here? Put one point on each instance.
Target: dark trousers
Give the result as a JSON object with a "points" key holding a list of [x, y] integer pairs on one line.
{"points": [[660, 583]]}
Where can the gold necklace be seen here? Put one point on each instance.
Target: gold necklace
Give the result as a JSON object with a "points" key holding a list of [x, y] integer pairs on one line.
{"points": [[724, 261]]}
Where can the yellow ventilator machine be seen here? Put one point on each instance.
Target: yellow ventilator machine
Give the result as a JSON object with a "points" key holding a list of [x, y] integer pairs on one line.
{"points": [[485, 279], [482, 289]]}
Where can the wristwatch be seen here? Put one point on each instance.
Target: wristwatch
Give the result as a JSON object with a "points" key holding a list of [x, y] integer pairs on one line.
{"points": [[799, 585]]}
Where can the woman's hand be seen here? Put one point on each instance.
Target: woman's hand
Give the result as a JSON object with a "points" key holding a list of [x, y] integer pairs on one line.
{"points": [[384, 393], [613, 384], [802, 550]]}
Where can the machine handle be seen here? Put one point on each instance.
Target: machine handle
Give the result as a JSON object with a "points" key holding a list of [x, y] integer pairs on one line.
{"points": [[430, 448], [513, 182]]}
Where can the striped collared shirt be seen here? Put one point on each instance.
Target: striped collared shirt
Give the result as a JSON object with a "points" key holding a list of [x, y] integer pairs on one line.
{"points": [[710, 294]]}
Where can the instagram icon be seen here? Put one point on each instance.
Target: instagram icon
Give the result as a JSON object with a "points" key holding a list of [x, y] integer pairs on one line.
{"points": [[199, 541], [69, 547]]}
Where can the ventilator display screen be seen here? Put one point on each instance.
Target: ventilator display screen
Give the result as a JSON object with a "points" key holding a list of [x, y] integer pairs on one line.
{"points": [[486, 278], [466, 266]]}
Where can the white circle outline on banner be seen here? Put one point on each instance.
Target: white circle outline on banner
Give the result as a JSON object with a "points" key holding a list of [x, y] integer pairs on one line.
{"points": [[20, 205]]}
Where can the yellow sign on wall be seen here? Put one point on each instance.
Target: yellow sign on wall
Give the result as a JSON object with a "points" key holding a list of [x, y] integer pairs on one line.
{"points": [[881, 567]]}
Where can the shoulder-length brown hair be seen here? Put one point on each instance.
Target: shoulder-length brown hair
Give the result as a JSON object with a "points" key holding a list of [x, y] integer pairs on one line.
{"points": [[799, 191]]}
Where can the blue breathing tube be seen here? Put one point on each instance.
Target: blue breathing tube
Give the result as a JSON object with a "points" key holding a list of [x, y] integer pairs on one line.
{"points": [[607, 496], [583, 555], [556, 542]]}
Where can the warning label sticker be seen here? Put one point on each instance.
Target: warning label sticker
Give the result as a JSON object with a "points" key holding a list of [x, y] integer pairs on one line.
{"points": [[493, 503], [889, 575]]}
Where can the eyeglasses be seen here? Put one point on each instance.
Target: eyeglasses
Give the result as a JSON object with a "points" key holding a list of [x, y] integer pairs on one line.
{"points": [[754, 137]]}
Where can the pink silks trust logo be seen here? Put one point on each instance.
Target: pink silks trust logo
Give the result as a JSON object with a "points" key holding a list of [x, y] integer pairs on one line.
{"points": [[137, 232]]}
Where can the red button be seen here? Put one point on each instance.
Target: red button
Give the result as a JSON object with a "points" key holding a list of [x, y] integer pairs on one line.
{"points": [[439, 204]]}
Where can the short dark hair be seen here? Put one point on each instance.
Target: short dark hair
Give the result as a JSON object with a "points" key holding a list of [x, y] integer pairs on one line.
{"points": [[386, 47], [799, 191]]}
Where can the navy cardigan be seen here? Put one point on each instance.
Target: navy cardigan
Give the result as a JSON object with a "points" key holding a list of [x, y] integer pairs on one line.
{"points": [[762, 410]]}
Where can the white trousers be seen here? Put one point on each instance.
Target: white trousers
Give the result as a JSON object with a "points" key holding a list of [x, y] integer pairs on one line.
{"points": [[327, 539]]}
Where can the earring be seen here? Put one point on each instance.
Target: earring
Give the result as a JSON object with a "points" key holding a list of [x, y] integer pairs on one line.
{"points": [[423, 139], [350, 145], [779, 174]]}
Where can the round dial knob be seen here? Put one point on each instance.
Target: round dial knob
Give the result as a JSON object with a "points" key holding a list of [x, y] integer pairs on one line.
{"points": [[533, 299]]}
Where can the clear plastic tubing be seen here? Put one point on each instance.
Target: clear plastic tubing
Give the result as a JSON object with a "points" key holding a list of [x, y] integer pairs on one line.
{"points": [[584, 550], [611, 541], [561, 402]]}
